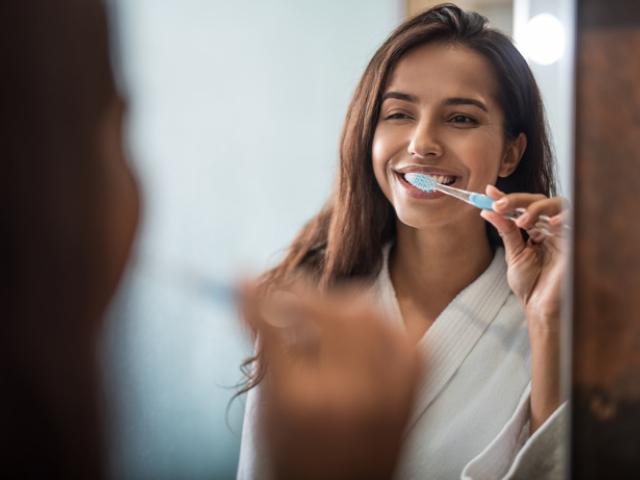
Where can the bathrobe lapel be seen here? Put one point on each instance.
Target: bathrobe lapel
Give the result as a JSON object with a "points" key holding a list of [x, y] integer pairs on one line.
{"points": [[456, 331]]}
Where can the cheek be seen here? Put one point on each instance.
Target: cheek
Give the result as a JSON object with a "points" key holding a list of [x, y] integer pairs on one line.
{"points": [[482, 158], [121, 218], [122, 203], [380, 157], [389, 144]]}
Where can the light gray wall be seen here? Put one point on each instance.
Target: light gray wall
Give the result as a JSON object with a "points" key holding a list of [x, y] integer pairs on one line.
{"points": [[235, 114]]}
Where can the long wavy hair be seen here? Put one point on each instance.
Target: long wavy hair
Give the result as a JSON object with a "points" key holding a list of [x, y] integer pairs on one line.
{"points": [[344, 240]]}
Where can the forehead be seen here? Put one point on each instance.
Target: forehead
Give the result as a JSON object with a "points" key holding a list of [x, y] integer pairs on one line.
{"points": [[438, 70]]}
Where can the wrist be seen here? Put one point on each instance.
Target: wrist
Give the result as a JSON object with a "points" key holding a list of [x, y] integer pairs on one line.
{"points": [[542, 324], [544, 338]]}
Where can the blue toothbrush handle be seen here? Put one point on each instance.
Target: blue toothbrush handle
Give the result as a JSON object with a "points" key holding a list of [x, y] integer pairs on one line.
{"points": [[481, 201], [485, 202]]}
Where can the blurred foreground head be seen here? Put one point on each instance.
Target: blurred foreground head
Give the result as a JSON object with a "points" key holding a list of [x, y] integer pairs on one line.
{"points": [[69, 210]]}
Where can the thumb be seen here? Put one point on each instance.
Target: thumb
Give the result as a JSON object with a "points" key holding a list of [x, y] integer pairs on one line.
{"points": [[507, 229], [252, 309]]}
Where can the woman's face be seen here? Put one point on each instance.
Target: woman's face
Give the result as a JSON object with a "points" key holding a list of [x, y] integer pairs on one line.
{"points": [[121, 201], [439, 116]]}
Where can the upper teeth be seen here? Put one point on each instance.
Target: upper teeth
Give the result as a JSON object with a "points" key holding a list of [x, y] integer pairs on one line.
{"points": [[442, 178]]}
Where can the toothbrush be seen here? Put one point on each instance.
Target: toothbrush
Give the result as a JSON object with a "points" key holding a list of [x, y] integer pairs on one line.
{"points": [[222, 293], [225, 295], [427, 183]]}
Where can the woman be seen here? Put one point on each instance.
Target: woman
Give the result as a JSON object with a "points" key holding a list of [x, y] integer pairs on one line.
{"points": [[447, 96]]}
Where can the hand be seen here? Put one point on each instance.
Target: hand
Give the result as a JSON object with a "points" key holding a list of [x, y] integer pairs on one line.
{"points": [[536, 271], [339, 385], [536, 268]]}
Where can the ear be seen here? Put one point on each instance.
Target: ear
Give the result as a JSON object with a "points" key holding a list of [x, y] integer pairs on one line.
{"points": [[512, 155]]}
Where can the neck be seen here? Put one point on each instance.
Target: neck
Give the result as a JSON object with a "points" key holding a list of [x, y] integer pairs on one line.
{"points": [[429, 267]]}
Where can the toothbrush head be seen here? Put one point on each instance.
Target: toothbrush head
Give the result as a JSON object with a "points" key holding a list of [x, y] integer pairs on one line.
{"points": [[424, 182]]}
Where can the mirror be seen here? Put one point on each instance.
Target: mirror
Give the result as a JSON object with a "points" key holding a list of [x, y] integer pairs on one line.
{"points": [[234, 125]]}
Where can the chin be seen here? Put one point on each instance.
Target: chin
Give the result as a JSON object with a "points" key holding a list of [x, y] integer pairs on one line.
{"points": [[416, 219], [431, 218]]}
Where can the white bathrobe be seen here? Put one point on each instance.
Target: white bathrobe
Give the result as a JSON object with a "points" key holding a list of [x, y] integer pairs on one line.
{"points": [[471, 419]]}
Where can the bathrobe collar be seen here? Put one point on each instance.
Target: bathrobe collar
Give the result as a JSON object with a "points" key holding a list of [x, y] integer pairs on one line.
{"points": [[456, 330]]}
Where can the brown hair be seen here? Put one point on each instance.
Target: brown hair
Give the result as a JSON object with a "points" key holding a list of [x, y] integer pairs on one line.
{"points": [[55, 86], [345, 240]]}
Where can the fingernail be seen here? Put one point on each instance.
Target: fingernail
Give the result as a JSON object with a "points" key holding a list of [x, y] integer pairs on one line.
{"points": [[500, 203]]}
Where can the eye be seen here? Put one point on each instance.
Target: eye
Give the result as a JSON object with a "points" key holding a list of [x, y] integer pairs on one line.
{"points": [[464, 120], [397, 116]]}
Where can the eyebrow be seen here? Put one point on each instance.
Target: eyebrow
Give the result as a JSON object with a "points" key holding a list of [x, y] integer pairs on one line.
{"points": [[449, 101], [465, 101], [400, 96]]}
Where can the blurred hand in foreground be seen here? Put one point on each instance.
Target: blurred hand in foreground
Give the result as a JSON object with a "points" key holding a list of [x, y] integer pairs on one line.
{"points": [[339, 384]]}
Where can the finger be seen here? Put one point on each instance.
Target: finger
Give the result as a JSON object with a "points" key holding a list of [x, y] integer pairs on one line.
{"points": [[494, 192], [536, 236], [508, 231], [498, 195], [513, 201], [301, 303], [561, 219], [556, 226], [247, 297], [271, 339], [250, 306], [547, 206], [282, 309]]}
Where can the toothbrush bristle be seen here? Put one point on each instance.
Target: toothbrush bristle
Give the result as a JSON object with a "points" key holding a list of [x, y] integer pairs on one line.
{"points": [[424, 182]]}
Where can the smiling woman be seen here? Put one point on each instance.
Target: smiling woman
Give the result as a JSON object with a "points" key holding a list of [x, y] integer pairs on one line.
{"points": [[479, 294]]}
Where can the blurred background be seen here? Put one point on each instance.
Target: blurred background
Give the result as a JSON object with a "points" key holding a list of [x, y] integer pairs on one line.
{"points": [[234, 116]]}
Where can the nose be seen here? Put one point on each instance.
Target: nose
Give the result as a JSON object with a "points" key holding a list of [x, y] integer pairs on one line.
{"points": [[424, 141]]}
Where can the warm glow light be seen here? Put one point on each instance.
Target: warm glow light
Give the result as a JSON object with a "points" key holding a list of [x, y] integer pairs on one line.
{"points": [[544, 40]]}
